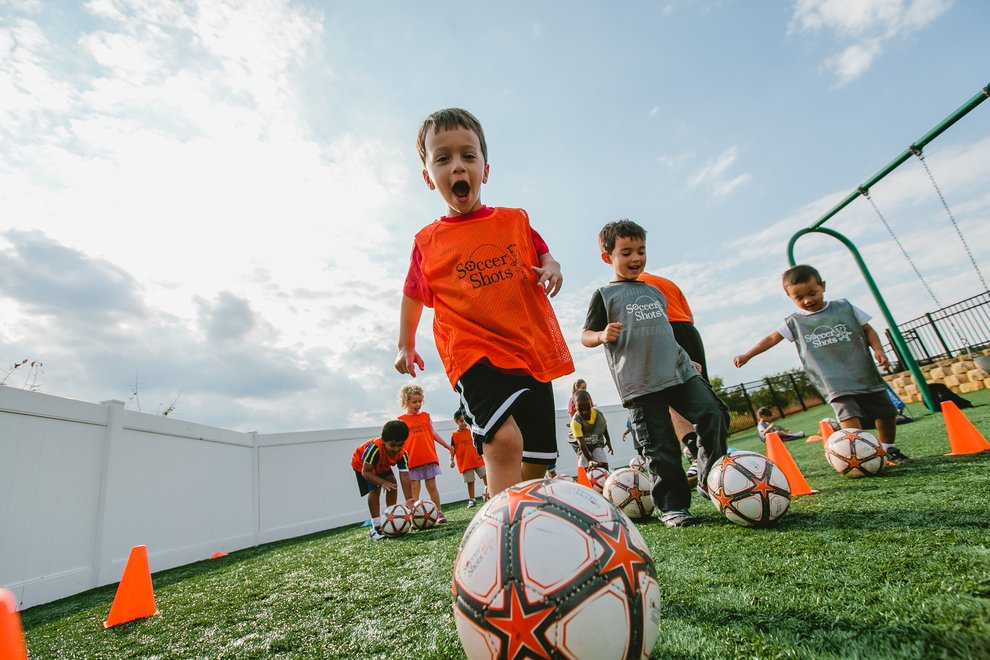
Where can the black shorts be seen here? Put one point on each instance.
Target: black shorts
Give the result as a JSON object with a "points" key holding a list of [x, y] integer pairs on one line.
{"points": [[688, 338], [366, 486], [489, 397]]}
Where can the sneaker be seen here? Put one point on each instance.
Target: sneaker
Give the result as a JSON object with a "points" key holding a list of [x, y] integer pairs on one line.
{"points": [[441, 519], [692, 474], [471, 503], [376, 534], [896, 457], [678, 518]]}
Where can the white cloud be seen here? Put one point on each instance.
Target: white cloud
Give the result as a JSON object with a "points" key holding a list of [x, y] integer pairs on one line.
{"points": [[714, 174], [861, 28]]}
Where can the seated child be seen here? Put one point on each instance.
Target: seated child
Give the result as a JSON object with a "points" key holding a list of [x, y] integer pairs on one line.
{"points": [[589, 431], [372, 463], [833, 340], [652, 372], [766, 425], [469, 462]]}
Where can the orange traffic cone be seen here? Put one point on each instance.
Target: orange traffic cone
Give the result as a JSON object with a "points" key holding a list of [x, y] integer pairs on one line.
{"points": [[778, 454], [11, 636], [218, 555], [583, 477], [135, 598], [963, 436], [814, 438], [825, 429]]}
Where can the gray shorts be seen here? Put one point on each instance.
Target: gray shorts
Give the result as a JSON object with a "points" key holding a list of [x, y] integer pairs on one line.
{"points": [[869, 406], [428, 471], [597, 455], [469, 475]]}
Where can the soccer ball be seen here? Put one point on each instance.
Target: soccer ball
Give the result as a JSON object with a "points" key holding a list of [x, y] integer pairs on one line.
{"points": [[550, 569], [854, 453], [638, 462], [425, 514], [397, 520], [597, 476], [748, 489], [629, 489]]}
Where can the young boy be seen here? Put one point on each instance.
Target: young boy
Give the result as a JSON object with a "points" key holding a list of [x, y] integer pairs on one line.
{"points": [[651, 372], [372, 463], [833, 340], [487, 274], [589, 431], [468, 461], [766, 425]]}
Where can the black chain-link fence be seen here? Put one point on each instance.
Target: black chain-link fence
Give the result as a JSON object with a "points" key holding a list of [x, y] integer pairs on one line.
{"points": [[785, 394]]}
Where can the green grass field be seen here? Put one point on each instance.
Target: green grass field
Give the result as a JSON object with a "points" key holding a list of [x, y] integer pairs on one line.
{"points": [[896, 566]]}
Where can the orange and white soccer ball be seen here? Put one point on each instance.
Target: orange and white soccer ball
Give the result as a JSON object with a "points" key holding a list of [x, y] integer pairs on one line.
{"points": [[396, 520], [629, 489], [855, 453], [748, 488], [551, 569], [597, 476], [425, 514]]}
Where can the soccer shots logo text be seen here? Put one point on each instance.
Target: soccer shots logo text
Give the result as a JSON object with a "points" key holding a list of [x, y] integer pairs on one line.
{"points": [[645, 311], [489, 264], [825, 335]]}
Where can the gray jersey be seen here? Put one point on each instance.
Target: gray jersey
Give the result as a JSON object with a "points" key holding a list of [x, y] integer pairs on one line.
{"points": [[645, 358], [834, 351]]}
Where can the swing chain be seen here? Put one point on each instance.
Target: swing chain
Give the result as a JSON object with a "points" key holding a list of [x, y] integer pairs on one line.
{"points": [[948, 211], [866, 193]]}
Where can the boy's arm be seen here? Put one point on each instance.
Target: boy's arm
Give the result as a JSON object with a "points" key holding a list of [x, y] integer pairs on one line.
{"points": [[406, 485], [409, 315], [764, 344], [608, 442], [593, 338], [370, 475], [548, 275], [874, 340], [584, 449]]}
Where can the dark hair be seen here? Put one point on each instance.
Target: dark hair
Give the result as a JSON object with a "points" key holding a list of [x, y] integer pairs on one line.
{"points": [[395, 430], [581, 395], [799, 275], [459, 414], [764, 412], [446, 119], [623, 228]]}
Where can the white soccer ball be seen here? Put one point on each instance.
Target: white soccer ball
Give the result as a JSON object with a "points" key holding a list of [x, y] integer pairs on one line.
{"points": [[748, 489], [548, 568], [396, 520], [629, 489], [854, 453], [597, 476], [425, 514], [638, 462]]}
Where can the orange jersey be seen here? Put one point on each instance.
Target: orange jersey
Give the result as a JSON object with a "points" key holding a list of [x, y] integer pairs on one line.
{"points": [[486, 302], [374, 454], [464, 452], [420, 443], [677, 304]]}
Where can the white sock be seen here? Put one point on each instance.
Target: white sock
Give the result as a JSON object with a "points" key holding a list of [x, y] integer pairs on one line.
{"points": [[886, 445], [376, 522]]}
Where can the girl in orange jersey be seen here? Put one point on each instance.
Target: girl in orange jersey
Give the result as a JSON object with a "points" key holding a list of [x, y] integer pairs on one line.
{"points": [[424, 465]]}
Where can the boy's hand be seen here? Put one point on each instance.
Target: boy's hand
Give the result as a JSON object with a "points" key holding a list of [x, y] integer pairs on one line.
{"points": [[881, 359], [610, 333], [697, 366], [407, 361], [451, 462], [740, 360], [549, 277], [388, 485]]}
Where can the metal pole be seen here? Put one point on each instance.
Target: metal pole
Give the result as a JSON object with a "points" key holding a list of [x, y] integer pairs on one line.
{"points": [[797, 391], [895, 332]]}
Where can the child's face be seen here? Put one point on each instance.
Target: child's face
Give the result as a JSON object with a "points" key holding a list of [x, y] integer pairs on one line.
{"points": [[584, 408], [414, 403], [809, 296], [628, 257], [394, 447], [456, 168], [461, 424], [581, 386]]}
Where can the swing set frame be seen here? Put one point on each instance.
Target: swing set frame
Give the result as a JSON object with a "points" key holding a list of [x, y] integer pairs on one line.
{"points": [[863, 191]]}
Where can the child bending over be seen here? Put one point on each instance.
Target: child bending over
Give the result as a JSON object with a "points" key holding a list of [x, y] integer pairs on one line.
{"points": [[372, 463]]}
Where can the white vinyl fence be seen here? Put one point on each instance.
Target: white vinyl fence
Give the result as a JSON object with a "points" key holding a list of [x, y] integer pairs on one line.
{"points": [[81, 483]]}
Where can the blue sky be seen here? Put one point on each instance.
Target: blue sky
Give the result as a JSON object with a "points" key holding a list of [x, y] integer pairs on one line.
{"points": [[217, 200]]}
